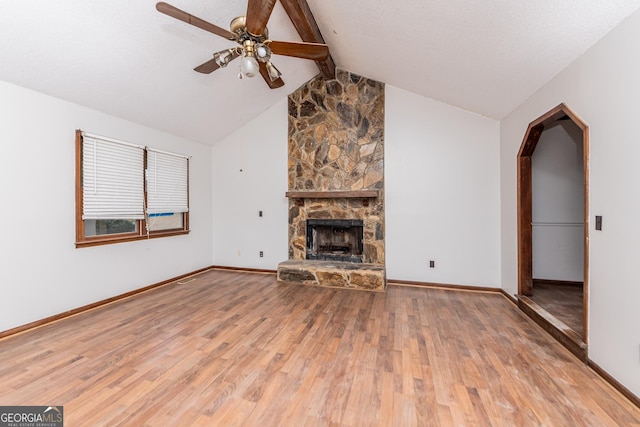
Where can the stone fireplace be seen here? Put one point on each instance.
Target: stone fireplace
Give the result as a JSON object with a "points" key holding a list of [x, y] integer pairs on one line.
{"points": [[336, 183]]}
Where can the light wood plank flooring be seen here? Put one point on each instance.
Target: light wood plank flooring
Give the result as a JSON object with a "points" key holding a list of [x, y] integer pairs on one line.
{"points": [[227, 348], [565, 302]]}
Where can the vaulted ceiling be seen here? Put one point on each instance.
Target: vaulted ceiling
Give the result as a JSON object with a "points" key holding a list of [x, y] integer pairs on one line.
{"points": [[124, 58]]}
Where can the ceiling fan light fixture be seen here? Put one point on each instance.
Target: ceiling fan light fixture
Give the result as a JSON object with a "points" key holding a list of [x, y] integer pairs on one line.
{"points": [[249, 66], [223, 58], [263, 53], [274, 73]]}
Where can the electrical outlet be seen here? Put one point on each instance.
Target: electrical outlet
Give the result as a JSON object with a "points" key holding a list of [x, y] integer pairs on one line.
{"points": [[261, 254], [432, 264]]}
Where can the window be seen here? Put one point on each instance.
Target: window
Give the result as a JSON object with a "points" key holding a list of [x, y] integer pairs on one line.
{"points": [[167, 195], [128, 192]]}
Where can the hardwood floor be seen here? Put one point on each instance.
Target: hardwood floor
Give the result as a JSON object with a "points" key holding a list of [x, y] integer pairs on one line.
{"points": [[565, 302], [226, 348]]}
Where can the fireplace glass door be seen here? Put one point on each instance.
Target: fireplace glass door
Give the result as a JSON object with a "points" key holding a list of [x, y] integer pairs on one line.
{"points": [[335, 239]]}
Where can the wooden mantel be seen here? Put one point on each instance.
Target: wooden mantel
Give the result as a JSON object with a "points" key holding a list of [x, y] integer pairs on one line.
{"points": [[359, 194]]}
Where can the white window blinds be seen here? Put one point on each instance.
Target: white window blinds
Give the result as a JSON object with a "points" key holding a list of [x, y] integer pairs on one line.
{"points": [[112, 179], [167, 182]]}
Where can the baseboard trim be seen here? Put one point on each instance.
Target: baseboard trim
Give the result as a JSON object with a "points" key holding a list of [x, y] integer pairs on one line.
{"points": [[614, 383], [75, 311], [247, 270], [442, 286], [448, 286], [510, 297], [558, 282]]}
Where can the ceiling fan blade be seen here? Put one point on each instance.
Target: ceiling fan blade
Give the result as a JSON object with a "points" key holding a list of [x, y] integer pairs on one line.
{"points": [[258, 12], [211, 65], [265, 75], [208, 67], [315, 51], [174, 12]]}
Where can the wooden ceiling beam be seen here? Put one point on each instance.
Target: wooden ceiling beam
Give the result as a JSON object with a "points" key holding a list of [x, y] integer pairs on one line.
{"points": [[305, 24]]}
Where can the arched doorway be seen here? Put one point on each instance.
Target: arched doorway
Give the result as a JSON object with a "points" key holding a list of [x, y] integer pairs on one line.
{"points": [[576, 342]]}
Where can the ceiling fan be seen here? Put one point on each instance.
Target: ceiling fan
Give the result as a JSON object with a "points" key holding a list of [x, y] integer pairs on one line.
{"points": [[251, 33]]}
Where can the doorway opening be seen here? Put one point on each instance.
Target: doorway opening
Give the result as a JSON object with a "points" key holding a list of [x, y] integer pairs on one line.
{"points": [[553, 232]]}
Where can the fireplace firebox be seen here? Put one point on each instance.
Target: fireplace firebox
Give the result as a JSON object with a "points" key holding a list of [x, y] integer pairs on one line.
{"points": [[335, 239]]}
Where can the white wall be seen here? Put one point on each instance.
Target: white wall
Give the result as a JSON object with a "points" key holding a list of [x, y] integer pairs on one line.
{"points": [[442, 192], [558, 204], [250, 175], [42, 273], [441, 174], [602, 86]]}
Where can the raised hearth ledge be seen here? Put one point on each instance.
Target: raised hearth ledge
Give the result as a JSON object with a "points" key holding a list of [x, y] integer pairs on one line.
{"points": [[334, 274], [359, 194]]}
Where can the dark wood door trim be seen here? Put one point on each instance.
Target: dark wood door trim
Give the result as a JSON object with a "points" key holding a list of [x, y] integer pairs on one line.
{"points": [[525, 208]]}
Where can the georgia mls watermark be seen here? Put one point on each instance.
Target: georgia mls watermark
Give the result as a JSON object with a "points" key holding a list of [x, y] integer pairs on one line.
{"points": [[31, 416]]}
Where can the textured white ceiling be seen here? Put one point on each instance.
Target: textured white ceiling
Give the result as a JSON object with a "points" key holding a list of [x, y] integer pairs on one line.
{"points": [[126, 59], [486, 56]]}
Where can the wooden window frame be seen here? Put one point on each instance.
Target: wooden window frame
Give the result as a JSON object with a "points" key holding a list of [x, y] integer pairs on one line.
{"points": [[141, 226]]}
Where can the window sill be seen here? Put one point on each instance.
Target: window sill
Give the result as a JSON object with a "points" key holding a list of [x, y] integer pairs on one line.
{"points": [[102, 240]]}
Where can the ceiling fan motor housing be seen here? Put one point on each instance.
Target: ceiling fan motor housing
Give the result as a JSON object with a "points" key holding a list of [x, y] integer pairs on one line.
{"points": [[239, 26]]}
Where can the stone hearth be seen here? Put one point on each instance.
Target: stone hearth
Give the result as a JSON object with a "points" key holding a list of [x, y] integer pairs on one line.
{"points": [[336, 171], [334, 274]]}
